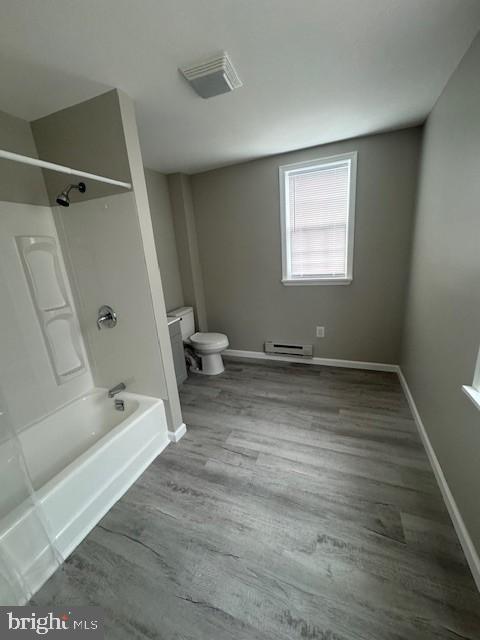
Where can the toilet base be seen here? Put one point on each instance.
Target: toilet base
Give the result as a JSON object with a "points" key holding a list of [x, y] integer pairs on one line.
{"points": [[212, 364]]}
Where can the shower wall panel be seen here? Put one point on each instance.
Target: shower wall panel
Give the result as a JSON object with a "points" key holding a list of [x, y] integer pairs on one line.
{"points": [[41, 263], [43, 364], [105, 260]]}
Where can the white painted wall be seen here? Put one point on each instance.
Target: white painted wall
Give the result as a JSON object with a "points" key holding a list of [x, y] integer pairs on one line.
{"points": [[27, 380]]}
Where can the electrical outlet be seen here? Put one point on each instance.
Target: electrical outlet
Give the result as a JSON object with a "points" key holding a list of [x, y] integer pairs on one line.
{"points": [[320, 332]]}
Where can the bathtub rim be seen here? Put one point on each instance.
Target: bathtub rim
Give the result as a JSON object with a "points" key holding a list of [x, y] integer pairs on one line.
{"points": [[64, 535], [73, 468], [9, 521]]}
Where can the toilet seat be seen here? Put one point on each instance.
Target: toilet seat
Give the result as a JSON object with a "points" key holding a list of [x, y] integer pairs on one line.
{"points": [[209, 342]]}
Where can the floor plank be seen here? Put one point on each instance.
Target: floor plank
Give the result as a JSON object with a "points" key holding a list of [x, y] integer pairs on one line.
{"points": [[300, 504]]}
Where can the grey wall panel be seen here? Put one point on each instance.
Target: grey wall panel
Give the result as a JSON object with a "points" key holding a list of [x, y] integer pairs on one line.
{"points": [[163, 231], [442, 329], [87, 136], [238, 224], [19, 182]]}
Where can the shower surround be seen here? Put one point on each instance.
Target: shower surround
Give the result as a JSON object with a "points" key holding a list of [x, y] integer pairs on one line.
{"points": [[67, 452]]}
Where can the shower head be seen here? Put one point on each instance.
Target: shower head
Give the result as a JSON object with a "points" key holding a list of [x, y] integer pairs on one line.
{"points": [[63, 199]]}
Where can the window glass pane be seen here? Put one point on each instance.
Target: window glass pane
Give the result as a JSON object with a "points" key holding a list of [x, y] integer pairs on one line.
{"points": [[317, 220]]}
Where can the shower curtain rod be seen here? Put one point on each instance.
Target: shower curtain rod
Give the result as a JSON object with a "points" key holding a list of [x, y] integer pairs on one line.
{"points": [[16, 157]]}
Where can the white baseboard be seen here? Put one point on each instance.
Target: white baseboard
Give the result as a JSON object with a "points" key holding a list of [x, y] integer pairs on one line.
{"points": [[175, 436], [462, 532], [326, 362]]}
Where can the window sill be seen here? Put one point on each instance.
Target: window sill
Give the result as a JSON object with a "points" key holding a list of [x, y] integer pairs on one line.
{"points": [[320, 281], [473, 394]]}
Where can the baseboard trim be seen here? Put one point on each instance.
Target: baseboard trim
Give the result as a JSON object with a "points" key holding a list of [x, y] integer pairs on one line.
{"points": [[455, 515], [175, 436], [326, 362]]}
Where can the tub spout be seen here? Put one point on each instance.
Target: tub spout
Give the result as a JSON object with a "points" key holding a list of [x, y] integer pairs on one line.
{"points": [[116, 389]]}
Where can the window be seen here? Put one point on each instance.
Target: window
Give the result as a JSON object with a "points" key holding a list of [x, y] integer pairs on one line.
{"points": [[476, 379], [473, 392], [317, 207]]}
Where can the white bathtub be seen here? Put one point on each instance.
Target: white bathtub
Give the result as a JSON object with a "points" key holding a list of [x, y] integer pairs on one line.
{"points": [[81, 460]]}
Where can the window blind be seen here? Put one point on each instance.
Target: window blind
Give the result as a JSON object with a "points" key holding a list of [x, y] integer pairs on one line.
{"points": [[316, 221]]}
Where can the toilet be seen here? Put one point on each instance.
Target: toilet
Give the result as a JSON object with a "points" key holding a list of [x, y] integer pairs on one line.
{"points": [[208, 346]]}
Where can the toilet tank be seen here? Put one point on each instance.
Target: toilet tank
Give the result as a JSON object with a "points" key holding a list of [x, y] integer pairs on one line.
{"points": [[187, 322]]}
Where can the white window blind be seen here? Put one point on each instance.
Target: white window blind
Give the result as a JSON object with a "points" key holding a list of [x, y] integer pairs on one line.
{"points": [[317, 203]]}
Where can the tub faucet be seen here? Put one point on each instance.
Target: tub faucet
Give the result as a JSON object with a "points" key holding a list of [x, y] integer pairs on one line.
{"points": [[116, 389]]}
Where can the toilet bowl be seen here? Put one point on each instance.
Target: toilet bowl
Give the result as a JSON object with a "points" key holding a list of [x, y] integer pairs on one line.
{"points": [[207, 346]]}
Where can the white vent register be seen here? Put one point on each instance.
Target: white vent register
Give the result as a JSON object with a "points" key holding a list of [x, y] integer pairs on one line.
{"points": [[213, 76]]}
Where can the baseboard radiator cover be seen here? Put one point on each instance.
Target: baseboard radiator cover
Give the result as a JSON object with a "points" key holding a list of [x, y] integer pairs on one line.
{"points": [[289, 348]]}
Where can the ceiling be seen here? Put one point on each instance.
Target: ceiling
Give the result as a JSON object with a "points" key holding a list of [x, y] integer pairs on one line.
{"points": [[314, 71]]}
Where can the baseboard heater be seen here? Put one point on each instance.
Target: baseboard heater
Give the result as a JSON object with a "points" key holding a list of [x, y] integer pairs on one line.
{"points": [[305, 350]]}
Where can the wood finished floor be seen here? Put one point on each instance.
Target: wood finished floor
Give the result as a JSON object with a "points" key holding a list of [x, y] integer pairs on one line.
{"points": [[300, 505]]}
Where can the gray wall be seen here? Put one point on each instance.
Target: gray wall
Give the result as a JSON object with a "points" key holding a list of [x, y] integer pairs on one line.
{"points": [[164, 234], [86, 137], [238, 223], [135, 163], [179, 186], [442, 329], [19, 182]]}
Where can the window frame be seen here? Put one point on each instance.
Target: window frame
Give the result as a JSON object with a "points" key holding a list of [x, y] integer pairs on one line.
{"points": [[304, 167], [473, 391], [476, 377]]}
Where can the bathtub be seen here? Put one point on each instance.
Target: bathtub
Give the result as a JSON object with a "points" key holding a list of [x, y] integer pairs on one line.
{"points": [[81, 460]]}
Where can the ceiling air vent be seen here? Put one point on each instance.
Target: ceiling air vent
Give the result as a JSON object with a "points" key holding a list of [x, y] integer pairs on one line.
{"points": [[212, 77]]}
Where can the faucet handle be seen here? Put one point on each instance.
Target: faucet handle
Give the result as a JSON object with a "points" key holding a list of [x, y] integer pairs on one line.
{"points": [[106, 317]]}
